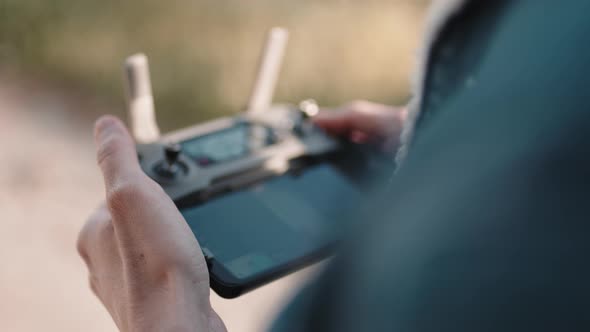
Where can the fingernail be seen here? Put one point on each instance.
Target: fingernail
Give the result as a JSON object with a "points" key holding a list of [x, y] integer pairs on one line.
{"points": [[104, 126]]}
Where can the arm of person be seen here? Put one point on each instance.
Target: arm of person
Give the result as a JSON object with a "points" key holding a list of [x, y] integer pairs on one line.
{"points": [[144, 263]]}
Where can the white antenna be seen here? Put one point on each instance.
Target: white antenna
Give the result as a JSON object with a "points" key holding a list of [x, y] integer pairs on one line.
{"points": [[268, 72], [142, 116]]}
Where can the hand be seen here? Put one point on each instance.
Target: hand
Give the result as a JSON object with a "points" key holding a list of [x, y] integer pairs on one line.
{"points": [[364, 122], [144, 262]]}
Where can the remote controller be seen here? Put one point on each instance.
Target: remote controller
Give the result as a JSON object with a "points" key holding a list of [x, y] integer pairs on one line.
{"points": [[197, 164]]}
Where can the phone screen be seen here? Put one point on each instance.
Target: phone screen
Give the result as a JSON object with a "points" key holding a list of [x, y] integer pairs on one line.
{"points": [[275, 222]]}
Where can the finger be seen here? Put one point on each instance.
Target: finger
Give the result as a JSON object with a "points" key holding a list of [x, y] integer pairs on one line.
{"points": [[362, 121], [116, 152], [97, 243], [98, 248], [337, 122], [89, 235]]}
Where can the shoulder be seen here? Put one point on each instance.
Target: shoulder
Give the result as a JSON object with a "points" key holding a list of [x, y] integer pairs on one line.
{"points": [[439, 14]]}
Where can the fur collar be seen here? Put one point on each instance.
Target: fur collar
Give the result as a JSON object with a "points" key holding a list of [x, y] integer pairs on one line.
{"points": [[440, 13]]}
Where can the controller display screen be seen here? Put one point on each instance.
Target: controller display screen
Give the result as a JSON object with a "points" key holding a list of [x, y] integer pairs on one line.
{"points": [[228, 144], [275, 222]]}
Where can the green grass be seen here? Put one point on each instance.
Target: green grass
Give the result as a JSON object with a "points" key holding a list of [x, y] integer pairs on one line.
{"points": [[204, 53]]}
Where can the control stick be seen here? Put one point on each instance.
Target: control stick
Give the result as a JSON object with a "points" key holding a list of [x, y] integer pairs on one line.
{"points": [[172, 154], [171, 167]]}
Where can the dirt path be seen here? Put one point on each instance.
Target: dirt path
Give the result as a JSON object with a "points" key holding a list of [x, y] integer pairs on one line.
{"points": [[48, 185]]}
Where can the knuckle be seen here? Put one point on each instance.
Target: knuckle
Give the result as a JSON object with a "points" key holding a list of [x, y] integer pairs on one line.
{"points": [[358, 105], [105, 231], [123, 196], [82, 247], [93, 284], [83, 242], [89, 234]]}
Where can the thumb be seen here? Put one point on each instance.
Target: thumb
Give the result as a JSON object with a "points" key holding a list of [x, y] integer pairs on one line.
{"points": [[338, 122], [116, 153]]}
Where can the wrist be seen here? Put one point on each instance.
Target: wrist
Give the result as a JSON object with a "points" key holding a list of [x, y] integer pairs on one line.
{"points": [[178, 304]]}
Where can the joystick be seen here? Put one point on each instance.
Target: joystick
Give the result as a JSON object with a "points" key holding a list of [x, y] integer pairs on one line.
{"points": [[171, 167], [172, 152]]}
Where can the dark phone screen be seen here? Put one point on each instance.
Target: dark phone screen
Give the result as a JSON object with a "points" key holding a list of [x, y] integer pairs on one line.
{"points": [[274, 222]]}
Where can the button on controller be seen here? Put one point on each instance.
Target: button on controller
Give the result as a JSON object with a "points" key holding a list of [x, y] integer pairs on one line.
{"points": [[171, 167], [307, 109]]}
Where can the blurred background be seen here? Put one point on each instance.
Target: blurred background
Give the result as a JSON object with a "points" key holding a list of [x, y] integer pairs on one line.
{"points": [[60, 67]]}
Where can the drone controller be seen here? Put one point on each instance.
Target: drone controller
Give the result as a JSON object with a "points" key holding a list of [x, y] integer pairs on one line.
{"points": [[230, 153], [253, 187]]}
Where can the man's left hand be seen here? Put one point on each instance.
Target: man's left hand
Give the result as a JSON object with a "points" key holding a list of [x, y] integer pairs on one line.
{"points": [[144, 262]]}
